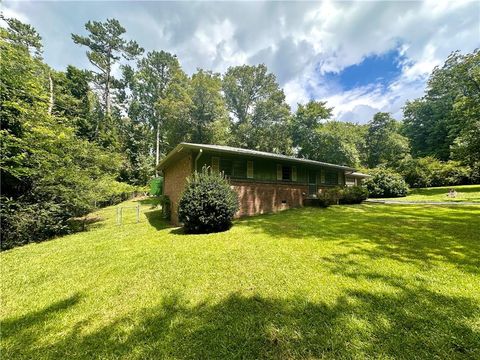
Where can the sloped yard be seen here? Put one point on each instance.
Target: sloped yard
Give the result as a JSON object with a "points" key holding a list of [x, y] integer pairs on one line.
{"points": [[464, 193], [367, 281]]}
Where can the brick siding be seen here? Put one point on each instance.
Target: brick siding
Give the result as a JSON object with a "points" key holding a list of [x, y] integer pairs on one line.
{"points": [[175, 177], [261, 198]]}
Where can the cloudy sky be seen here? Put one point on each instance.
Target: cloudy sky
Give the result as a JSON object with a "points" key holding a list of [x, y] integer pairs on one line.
{"points": [[361, 57]]}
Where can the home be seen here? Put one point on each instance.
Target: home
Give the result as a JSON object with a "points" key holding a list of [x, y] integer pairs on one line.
{"points": [[265, 182]]}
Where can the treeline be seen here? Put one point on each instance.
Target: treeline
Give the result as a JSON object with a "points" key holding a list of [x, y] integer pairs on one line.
{"points": [[76, 139]]}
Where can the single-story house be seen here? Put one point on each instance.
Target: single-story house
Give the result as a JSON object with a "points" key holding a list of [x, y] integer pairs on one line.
{"points": [[265, 182]]}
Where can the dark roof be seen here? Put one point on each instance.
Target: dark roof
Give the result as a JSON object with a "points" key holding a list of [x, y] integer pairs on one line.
{"points": [[247, 152]]}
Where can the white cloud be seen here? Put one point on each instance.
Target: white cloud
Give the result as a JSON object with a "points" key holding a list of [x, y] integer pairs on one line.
{"points": [[299, 42], [12, 11]]}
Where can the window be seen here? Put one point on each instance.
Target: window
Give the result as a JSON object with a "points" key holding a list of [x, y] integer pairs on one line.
{"points": [[331, 177], [250, 169], [350, 181], [233, 168], [286, 173], [226, 166], [239, 169]]}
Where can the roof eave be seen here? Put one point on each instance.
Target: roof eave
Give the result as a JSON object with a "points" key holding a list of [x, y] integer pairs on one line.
{"points": [[209, 148]]}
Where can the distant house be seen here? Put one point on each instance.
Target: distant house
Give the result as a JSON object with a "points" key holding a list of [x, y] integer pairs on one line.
{"points": [[265, 182]]}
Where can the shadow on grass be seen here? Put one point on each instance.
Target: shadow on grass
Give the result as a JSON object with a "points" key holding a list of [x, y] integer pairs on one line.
{"points": [[86, 223], [152, 201], [155, 219], [24, 330], [409, 323], [407, 234]]}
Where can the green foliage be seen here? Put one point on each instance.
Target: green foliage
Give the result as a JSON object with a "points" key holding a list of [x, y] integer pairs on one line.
{"points": [[166, 204], [304, 126], [318, 138], [48, 173], [339, 143], [207, 204], [444, 122], [261, 115], [353, 195], [156, 186], [106, 46], [384, 143], [319, 201], [22, 35], [385, 183], [30, 222], [209, 116], [428, 171], [149, 86]]}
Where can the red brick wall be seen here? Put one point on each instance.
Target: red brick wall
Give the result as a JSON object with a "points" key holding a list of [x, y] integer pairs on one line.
{"points": [[175, 177], [261, 198]]}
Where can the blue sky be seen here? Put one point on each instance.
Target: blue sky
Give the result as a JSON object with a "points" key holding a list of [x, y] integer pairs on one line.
{"points": [[360, 57], [379, 69]]}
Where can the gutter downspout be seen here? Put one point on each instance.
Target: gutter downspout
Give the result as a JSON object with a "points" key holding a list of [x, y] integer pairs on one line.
{"points": [[198, 157]]}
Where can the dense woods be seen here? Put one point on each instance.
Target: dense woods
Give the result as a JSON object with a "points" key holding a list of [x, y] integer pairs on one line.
{"points": [[75, 139]]}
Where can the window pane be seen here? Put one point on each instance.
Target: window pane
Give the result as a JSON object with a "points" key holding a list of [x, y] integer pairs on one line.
{"points": [[331, 177], [286, 173], [239, 169], [226, 166]]}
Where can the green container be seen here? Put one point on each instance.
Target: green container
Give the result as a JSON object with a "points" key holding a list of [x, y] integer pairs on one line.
{"points": [[156, 186]]}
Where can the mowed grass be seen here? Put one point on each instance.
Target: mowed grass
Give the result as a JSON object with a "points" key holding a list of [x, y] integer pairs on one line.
{"points": [[362, 281], [465, 193]]}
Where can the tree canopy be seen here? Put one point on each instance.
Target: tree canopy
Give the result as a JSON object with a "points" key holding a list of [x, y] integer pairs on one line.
{"points": [[75, 138]]}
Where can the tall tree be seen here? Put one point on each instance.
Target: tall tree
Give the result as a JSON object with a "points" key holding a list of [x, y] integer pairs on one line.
{"points": [[305, 123], [48, 174], [106, 47], [208, 113], [156, 74], [385, 144], [175, 110], [448, 112], [23, 35], [339, 142], [261, 116]]}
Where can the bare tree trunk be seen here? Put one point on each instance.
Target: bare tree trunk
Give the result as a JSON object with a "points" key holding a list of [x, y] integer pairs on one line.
{"points": [[157, 153], [107, 84], [50, 103], [107, 96]]}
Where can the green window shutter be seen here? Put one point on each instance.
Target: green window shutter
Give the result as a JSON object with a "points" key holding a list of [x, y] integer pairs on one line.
{"points": [[250, 169], [322, 176], [340, 178], [294, 173], [279, 172], [215, 164]]}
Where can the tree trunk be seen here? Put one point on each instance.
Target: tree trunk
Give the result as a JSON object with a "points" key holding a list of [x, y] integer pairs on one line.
{"points": [[157, 153], [107, 84], [107, 96], [50, 103]]}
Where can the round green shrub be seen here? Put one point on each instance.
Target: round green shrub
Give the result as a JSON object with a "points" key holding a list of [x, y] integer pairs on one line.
{"points": [[385, 183], [353, 195], [208, 204]]}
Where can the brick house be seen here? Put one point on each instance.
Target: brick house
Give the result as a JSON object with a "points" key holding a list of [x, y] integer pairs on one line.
{"points": [[265, 182]]}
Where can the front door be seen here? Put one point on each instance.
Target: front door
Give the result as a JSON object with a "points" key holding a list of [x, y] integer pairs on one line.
{"points": [[312, 183]]}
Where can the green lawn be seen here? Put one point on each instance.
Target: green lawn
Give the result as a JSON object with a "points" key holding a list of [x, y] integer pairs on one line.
{"points": [[467, 193], [362, 281]]}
